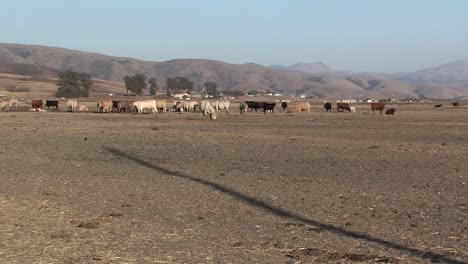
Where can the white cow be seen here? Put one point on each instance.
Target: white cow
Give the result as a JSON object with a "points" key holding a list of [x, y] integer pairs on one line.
{"points": [[146, 104], [190, 105], [14, 102], [352, 109], [82, 108], [207, 109], [222, 105], [72, 105], [5, 105]]}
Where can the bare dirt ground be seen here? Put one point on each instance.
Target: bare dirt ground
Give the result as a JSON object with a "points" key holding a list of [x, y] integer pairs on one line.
{"points": [[175, 188]]}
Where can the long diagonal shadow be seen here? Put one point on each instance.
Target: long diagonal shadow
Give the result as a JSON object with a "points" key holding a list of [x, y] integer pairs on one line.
{"points": [[429, 255]]}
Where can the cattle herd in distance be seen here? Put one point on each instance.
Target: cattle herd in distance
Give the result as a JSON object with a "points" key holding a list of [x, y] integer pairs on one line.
{"points": [[209, 108]]}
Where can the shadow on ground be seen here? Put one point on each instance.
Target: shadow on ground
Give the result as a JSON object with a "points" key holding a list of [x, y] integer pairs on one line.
{"points": [[428, 255]]}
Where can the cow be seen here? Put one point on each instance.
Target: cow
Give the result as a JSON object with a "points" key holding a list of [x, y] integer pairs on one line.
{"points": [[242, 108], [178, 107], [377, 106], [189, 105], [121, 106], [341, 107], [115, 105], [161, 106], [14, 102], [72, 105], [301, 106], [390, 111], [284, 105], [222, 105], [52, 103], [455, 104], [104, 106], [37, 104], [146, 104], [327, 107], [5, 105], [439, 105], [82, 108], [260, 106], [353, 109], [268, 107], [251, 105], [207, 109]]}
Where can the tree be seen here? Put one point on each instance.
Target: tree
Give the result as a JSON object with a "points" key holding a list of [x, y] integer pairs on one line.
{"points": [[252, 92], [153, 86], [268, 91], [233, 92], [211, 88], [73, 84], [179, 84], [135, 83]]}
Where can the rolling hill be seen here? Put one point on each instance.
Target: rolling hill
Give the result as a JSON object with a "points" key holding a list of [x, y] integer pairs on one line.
{"points": [[42, 63]]}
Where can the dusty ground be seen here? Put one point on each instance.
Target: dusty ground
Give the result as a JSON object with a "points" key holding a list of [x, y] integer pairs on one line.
{"points": [[172, 188]]}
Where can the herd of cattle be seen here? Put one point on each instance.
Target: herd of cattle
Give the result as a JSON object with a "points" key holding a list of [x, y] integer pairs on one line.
{"points": [[207, 108]]}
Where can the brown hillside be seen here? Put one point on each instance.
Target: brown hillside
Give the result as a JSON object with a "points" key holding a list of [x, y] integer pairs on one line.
{"points": [[43, 62]]}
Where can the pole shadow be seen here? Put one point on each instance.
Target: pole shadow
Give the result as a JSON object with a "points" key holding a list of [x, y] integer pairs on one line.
{"points": [[427, 255]]}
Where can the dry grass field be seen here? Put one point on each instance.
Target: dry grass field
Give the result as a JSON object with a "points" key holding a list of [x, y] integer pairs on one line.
{"points": [[274, 188]]}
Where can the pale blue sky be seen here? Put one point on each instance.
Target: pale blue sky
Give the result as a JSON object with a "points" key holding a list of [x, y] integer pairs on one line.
{"points": [[359, 35]]}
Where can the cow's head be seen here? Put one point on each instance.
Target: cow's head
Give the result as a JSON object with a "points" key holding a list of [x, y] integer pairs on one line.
{"points": [[213, 116]]}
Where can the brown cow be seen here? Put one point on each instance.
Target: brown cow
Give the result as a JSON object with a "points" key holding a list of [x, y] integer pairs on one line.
{"points": [[455, 104], [390, 111], [377, 106], [341, 107], [37, 104]]}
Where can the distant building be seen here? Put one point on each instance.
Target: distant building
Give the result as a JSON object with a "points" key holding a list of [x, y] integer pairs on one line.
{"points": [[349, 101], [302, 96]]}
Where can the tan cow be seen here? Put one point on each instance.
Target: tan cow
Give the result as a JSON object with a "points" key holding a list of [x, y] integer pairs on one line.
{"points": [[161, 104], [5, 105], [104, 106], [301, 106]]}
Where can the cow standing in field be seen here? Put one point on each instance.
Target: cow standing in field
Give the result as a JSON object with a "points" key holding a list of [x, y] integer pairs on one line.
{"points": [[104, 106], [269, 107], [377, 106], [37, 104], [353, 109], [342, 107], [161, 106], [52, 103], [146, 104], [207, 109], [5, 105], [301, 106], [327, 107], [456, 104], [222, 105], [72, 105], [14, 102], [251, 105], [242, 108], [284, 105]]}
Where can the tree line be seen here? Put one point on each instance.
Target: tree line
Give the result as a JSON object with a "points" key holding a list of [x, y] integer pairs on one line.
{"points": [[72, 84]]}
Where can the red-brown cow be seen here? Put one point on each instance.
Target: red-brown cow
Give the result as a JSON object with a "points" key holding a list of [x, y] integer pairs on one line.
{"points": [[341, 107], [37, 104], [377, 106]]}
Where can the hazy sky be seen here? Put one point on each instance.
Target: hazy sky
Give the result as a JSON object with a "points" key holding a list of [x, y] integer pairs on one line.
{"points": [[359, 35]]}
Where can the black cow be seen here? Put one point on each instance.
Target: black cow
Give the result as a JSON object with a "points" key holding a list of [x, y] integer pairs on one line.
{"points": [[251, 105], [327, 107], [268, 107], [390, 111], [284, 105], [439, 105], [52, 103], [242, 107]]}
